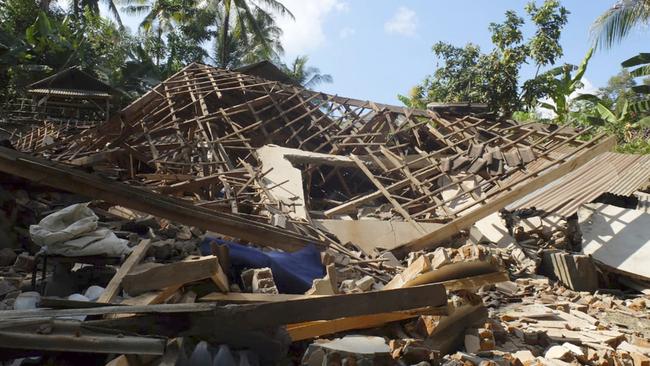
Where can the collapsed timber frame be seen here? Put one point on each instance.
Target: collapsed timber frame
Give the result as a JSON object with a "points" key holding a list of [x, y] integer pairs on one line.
{"points": [[200, 135]]}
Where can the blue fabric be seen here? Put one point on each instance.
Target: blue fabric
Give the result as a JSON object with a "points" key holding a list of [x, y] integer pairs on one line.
{"points": [[293, 273]]}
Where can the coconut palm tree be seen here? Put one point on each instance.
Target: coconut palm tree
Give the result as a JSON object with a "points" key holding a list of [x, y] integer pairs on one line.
{"points": [[618, 21], [307, 76], [242, 47], [251, 17]]}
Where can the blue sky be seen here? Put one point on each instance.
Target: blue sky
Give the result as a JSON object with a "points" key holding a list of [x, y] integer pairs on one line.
{"points": [[375, 49]]}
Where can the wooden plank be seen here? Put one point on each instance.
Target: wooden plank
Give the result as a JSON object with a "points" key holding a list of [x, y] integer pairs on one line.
{"points": [[245, 297], [115, 284], [474, 282], [63, 177], [308, 330], [193, 184], [175, 274], [454, 271], [531, 182]]}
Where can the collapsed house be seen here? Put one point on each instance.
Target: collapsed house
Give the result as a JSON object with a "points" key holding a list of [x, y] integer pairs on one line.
{"points": [[369, 203]]}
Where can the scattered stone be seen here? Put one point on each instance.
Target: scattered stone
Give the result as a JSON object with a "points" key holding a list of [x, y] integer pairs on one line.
{"points": [[524, 356], [558, 353], [365, 283], [326, 285], [472, 343], [7, 257], [411, 350], [24, 263]]}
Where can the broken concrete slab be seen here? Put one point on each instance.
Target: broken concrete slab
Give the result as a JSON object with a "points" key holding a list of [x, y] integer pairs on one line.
{"points": [[491, 229], [578, 272], [349, 350], [374, 234], [618, 238]]}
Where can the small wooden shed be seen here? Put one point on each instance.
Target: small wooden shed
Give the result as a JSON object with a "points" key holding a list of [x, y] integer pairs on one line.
{"points": [[72, 93]]}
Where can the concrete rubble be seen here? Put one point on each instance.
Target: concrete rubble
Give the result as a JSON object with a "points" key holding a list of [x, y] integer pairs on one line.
{"points": [[227, 219]]}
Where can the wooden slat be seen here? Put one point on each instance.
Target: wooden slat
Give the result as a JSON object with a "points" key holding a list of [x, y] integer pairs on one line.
{"points": [[115, 284]]}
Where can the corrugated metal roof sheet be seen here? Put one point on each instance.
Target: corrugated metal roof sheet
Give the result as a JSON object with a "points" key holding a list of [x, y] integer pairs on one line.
{"points": [[73, 78], [620, 174], [70, 93], [634, 177]]}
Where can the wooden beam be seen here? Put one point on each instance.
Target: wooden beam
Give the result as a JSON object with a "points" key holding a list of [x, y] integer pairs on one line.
{"points": [[308, 330], [209, 318], [531, 182], [247, 298], [175, 274], [115, 284]]}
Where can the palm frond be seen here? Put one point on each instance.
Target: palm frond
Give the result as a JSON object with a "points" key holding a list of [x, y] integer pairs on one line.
{"points": [[113, 9], [617, 22], [277, 7], [605, 113], [318, 79]]}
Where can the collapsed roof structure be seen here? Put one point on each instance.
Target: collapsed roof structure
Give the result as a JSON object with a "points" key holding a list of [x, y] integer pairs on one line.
{"points": [[298, 159]]}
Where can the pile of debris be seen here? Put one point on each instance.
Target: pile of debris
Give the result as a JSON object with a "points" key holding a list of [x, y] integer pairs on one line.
{"points": [[227, 218]]}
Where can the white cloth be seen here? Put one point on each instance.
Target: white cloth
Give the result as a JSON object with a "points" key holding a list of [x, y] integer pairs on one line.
{"points": [[73, 232]]}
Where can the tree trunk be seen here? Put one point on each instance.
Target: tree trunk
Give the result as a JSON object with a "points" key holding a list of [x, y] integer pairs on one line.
{"points": [[224, 34], [159, 46]]}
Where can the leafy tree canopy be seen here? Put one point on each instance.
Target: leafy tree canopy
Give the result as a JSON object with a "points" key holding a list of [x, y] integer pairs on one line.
{"points": [[467, 74]]}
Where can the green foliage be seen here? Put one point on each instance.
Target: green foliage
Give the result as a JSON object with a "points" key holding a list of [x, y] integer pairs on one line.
{"points": [[51, 41], [620, 110], [639, 145], [459, 78], [468, 75], [560, 83], [618, 86], [550, 19], [642, 63], [241, 47], [525, 116]]}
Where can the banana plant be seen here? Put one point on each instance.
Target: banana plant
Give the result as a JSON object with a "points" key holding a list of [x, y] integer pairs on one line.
{"points": [[619, 120], [642, 60], [563, 84]]}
